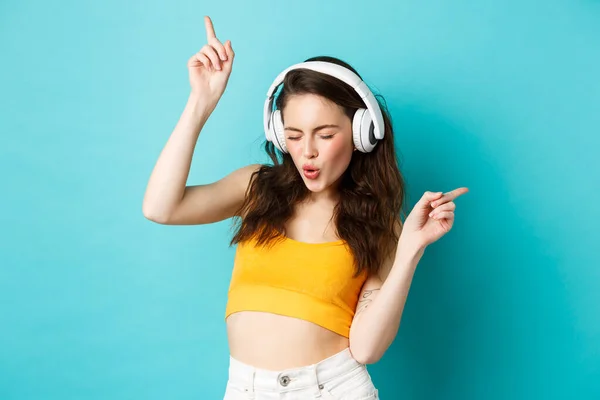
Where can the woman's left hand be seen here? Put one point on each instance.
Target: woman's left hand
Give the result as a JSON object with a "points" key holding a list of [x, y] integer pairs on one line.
{"points": [[431, 218]]}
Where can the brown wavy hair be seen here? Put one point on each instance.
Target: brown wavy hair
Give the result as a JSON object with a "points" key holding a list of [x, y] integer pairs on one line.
{"points": [[367, 215]]}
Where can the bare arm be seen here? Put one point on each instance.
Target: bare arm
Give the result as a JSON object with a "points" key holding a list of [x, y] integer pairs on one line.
{"points": [[380, 308], [381, 303], [166, 186], [205, 204], [167, 199]]}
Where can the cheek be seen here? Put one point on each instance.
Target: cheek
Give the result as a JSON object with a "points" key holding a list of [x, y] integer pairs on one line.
{"points": [[338, 151], [294, 148], [296, 151]]}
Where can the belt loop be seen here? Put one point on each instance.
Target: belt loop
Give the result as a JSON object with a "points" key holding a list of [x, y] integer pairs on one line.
{"points": [[318, 386], [253, 384]]}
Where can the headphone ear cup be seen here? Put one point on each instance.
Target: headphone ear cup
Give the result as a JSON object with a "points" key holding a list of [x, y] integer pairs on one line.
{"points": [[277, 131], [362, 131]]}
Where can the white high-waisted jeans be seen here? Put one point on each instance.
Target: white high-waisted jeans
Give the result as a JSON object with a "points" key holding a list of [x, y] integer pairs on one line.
{"points": [[334, 378]]}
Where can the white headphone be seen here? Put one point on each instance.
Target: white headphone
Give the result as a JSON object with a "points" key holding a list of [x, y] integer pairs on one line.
{"points": [[367, 124]]}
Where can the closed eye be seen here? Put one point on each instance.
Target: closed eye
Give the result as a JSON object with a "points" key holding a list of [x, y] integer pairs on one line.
{"points": [[326, 137]]}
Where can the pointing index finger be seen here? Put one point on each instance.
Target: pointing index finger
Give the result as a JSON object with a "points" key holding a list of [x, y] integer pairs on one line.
{"points": [[456, 192], [449, 196], [210, 30]]}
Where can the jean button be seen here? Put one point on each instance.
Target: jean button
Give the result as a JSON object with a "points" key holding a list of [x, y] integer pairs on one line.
{"points": [[284, 380]]}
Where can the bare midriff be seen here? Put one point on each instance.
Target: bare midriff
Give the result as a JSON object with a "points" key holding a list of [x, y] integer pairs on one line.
{"points": [[276, 342]]}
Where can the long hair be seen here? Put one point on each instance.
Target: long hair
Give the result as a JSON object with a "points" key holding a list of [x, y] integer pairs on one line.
{"points": [[371, 191]]}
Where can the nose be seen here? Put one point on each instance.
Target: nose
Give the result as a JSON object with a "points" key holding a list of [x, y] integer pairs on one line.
{"points": [[310, 150]]}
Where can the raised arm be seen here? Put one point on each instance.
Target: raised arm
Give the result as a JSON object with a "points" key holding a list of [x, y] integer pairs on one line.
{"points": [[167, 199]]}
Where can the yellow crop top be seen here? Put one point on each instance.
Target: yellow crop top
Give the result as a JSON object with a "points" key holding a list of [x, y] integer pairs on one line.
{"points": [[309, 281]]}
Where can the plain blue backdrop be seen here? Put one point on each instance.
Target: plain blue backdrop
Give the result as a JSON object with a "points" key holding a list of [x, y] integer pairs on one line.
{"points": [[503, 97]]}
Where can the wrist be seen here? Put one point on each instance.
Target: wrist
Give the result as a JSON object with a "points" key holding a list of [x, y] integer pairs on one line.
{"points": [[199, 103], [199, 106], [409, 250]]}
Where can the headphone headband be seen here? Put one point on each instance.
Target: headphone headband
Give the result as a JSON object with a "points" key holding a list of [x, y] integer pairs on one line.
{"points": [[339, 72]]}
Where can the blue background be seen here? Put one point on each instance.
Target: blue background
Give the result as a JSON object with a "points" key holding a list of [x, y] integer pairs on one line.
{"points": [[503, 97]]}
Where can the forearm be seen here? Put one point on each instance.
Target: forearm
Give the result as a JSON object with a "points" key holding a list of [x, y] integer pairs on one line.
{"points": [[167, 182], [375, 327]]}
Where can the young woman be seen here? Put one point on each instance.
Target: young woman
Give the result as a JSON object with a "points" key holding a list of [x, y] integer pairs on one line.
{"points": [[324, 262]]}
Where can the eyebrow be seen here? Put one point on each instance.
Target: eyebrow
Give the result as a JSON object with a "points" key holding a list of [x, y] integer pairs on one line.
{"points": [[289, 128]]}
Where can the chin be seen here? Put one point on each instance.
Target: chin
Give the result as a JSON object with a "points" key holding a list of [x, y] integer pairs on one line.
{"points": [[315, 186]]}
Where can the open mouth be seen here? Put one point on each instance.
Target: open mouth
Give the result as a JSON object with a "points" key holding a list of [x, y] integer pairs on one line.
{"points": [[311, 173]]}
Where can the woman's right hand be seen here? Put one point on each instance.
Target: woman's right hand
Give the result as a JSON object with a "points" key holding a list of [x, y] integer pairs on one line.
{"points": [[209, 69]]}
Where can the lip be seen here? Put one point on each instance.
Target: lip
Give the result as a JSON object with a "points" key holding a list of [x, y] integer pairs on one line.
{"points": [[310, 167], [312, 174]]}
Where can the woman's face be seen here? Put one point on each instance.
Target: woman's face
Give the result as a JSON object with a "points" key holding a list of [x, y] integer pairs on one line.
{"points": [[318, 133]]}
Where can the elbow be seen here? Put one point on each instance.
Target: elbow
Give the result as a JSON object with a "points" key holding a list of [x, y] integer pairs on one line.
{"points": [[153, 216], [367, 359], [365, 356]]}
